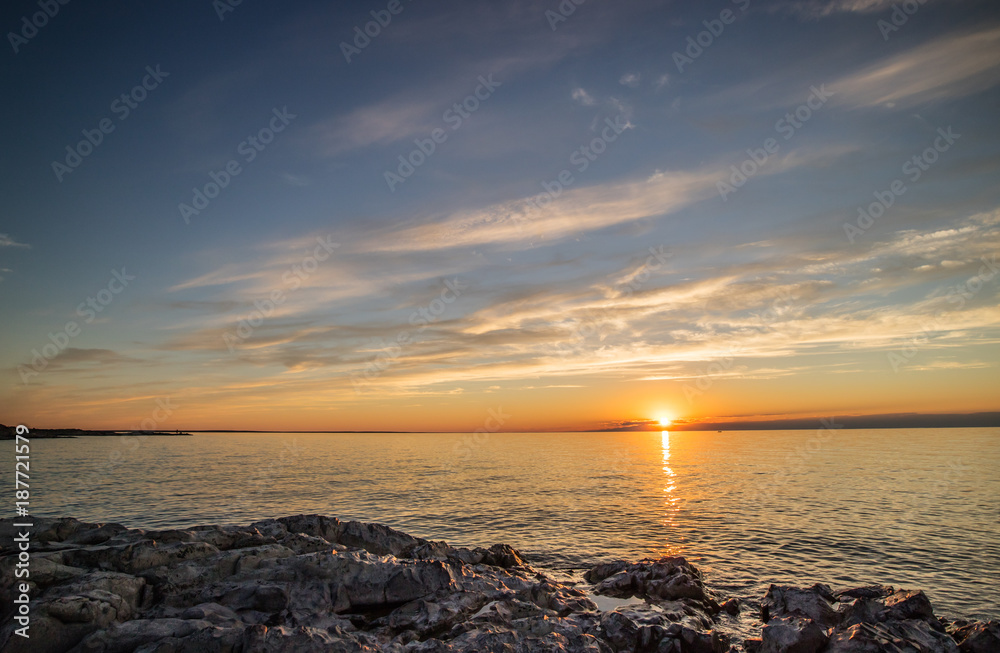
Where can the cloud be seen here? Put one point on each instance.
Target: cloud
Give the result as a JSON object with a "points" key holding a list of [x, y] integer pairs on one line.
{"points": [[632, 80], [380, 124], [785, 301], [7, 241], [576, 211], [206, 306], [73, 359], [777, 306], [822, 8], [782, 308], [583, 97], [226, 275], [76, 355], [295, 180], [949, 67]]}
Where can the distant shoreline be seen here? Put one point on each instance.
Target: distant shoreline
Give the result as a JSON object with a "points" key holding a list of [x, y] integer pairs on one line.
{"points": [[845, 422], [8, 433]]}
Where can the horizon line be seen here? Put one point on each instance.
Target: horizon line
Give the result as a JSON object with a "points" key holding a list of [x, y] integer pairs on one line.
{"points": [[988, 419]]}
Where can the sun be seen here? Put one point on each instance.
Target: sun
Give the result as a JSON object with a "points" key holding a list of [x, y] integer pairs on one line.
{"points": [[665, 420]]}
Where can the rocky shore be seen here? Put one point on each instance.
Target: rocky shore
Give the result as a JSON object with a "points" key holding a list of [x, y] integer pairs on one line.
{"points": [[9, 433], [313, 583]]}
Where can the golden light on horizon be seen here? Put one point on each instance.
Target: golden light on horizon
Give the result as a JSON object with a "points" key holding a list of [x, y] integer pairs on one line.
{"points": [[665, 419]]}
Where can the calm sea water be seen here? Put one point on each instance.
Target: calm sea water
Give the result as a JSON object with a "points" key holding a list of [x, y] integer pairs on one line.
{"points": [[911, 508]]}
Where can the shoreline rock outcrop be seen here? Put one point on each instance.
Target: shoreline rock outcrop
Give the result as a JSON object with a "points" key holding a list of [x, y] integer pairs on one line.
{"points": [[315, 583], [10, 433]]}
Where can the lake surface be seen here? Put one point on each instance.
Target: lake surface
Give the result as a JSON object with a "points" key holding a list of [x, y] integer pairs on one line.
{"points": [[914, 508]]}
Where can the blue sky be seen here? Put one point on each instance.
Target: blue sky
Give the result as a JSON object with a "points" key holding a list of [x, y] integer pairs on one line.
{"points": [[637, 284]]}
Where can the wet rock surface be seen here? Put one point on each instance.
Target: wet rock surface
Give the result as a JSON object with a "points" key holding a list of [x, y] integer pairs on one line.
{"points": [[315, 583]]}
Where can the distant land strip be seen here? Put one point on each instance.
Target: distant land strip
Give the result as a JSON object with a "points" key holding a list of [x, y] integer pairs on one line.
{"points": [[888, 421], [8, 433]]}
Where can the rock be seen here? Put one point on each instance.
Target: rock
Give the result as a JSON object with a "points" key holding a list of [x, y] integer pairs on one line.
{"points": [[47, 635], [213, 612], [866, 592], [92, 607], [310, 582], [693, 641], [979, 637], [295, 583], [907, 635], [129, 636], [814, 603], [44, 572], [502, 555], [863, 611], [666, 579], [792, 634], [619, 631], [600, 572], [720, 642], [909, 605], [376, 538]]}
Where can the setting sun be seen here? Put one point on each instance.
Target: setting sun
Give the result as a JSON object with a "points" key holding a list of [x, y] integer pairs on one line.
{"points": [[665, 420]]}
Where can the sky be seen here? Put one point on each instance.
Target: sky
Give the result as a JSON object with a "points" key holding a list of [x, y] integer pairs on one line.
{"points": [[504, 215]]}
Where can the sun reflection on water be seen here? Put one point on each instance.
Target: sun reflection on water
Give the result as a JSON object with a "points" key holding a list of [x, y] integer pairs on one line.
{"points": [[670, 499], [670, 486]]}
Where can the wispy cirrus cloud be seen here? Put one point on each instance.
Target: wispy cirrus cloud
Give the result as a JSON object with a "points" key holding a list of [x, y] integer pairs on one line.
{"points": [[386, 122], [581, 96], [787, 301], [949, 67], [580, 210], [7, 241], [631, 80], [822, 8], [74, 359]]}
